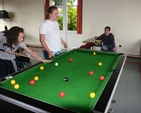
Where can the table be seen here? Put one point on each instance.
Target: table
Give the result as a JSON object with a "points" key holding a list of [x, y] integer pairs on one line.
{"points": [[7, 106], [44, 94], [92, 40]]}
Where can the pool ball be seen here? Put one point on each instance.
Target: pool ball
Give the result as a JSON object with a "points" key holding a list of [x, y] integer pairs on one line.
{"points": [[66, 79], [12, 82], [101, 77], [100, 64], [16, 86], [92, 94], [94, 53], [32, 82], [90, 72], [41, 67], [62, 94], [70, 59], [36, 78], [56, 64]]}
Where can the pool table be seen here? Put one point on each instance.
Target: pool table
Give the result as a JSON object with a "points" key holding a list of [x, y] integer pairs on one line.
{"points": [[45, 92]]}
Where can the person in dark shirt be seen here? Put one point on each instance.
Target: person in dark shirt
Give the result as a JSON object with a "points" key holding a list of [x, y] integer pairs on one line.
{"points": [[107, 39]]}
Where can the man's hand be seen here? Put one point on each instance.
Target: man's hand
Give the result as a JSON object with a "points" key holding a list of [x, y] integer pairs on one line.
{"points": [[114, 49], [65, 45], [95, 37], [50, 54]]}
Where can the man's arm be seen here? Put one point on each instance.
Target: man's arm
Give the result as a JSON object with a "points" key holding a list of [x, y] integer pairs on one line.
{"points": [[44, 45], [64, 43], [98, 37], [113, 43]]}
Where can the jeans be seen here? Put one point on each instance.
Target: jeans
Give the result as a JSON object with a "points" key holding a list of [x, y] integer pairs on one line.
{"points": [[45, 53], [20, 64], [7, 67], [107, 48]]}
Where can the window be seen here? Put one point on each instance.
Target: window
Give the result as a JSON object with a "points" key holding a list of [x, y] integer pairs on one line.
{"points": [[72, 14], [71, 7], [69, 17]]}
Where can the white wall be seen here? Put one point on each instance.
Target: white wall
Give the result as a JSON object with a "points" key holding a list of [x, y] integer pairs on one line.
{"points": [[72, 38], [123, 16], [28, 14]]}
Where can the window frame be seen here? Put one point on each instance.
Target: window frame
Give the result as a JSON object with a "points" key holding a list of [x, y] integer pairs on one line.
{"points": [[79, 14]]}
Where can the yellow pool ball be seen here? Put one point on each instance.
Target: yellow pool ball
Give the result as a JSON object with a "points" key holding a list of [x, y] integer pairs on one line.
{"points": [[100, 64], [16, 86], [36, 78], [94, 53], [41, 67], [12, 82], [92, 94]]}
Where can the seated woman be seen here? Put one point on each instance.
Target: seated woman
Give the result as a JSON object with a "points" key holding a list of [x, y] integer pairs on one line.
{"points": [[108, 40]]}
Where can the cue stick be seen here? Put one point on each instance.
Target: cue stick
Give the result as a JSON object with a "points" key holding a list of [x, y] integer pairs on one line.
{"points": [[19, 54]]}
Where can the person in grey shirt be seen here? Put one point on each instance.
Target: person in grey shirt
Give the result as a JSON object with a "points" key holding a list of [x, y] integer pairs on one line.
{"points": [[11, 41]]}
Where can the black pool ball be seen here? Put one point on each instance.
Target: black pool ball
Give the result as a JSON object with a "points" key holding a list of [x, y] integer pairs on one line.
{"points": [[66, 79]]}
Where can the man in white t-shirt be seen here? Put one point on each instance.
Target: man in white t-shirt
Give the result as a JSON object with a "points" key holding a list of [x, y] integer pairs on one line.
{"points": [[50, 38]]}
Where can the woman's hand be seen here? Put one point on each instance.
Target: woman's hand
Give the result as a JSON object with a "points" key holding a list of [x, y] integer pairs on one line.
{"points": [[45, 61], [114, 49]]}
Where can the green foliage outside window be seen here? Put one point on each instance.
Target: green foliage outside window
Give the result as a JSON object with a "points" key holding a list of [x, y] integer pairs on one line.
{"points": [[60, 21], [71, 13], [72, 17]]}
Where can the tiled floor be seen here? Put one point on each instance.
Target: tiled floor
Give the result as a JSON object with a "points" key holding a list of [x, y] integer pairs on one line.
{"points": [[128, 92]]}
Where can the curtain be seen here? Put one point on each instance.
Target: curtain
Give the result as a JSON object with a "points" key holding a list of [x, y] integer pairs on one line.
{"points": [[79, 16], [46, 6]]}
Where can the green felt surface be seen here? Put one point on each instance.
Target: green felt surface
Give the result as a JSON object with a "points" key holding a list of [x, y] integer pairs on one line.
{"points": [[77, 89]]}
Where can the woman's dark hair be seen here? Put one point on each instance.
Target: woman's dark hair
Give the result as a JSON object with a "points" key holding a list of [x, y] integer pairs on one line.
{"points": [[13, 34], [50, 10]]}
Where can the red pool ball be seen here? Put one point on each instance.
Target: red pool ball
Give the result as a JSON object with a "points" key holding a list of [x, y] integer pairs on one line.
{"points": [[62, 94], [91, 73], [32, 82], [70, 59], [101, 77]]}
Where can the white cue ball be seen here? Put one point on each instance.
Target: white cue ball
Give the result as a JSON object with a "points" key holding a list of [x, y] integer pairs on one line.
{"points": [[56, 64]]}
